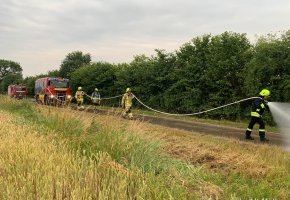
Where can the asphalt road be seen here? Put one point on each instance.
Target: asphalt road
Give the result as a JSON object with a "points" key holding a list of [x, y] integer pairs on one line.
{"points": [[208, 129], [215, 130]]}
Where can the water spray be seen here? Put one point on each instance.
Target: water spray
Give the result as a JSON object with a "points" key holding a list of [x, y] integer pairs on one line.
{"points": [[280, 112]]}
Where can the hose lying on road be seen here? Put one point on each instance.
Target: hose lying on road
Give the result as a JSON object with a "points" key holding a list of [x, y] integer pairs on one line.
{"points": [[184, 114], [197, 112]]}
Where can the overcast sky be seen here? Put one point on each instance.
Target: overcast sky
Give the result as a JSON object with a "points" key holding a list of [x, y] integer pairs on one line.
{"points": [[39, 34]]}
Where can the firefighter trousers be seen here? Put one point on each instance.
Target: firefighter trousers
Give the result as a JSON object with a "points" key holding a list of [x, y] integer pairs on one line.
{"points": [[261, 123]]}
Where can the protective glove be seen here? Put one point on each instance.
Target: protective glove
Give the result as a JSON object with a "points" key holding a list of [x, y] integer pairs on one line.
{"points": [[266, 104]]}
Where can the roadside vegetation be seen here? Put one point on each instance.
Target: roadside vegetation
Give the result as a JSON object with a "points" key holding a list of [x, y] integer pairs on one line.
{"points": [[52, 153]]}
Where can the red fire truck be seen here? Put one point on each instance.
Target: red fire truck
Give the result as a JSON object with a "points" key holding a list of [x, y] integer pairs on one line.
{"points": [[18, 91], [52, 91]]}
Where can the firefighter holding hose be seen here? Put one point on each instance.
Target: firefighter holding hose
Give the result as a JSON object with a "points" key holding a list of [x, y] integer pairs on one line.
{"points": [[127, 104], [96, 98], [258, 108]]}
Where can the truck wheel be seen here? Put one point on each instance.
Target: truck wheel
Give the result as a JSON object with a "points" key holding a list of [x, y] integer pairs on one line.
{"points": [[38, 101], [46, 100], [54, 102]]}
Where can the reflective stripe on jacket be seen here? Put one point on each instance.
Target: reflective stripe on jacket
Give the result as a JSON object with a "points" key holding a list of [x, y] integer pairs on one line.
{"points": [[79, 94], [127, 99], [258, 107]]}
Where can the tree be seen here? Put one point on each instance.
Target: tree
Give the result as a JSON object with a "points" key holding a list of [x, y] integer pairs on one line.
{"points": [[270, 67], [30, 83], [192, 67], [138, 75], [227, 60], [53, 73], [10, 79], [163, 69], [99, 75], [72, 62], [9, 67]]}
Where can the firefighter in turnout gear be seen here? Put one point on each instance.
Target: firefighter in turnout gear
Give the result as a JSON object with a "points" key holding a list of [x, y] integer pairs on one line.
{"points": [[96, 98], [80, 98], [127, 104], [258, 108]]}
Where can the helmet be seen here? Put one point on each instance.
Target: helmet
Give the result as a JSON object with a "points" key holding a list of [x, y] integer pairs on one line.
{"points": [[264, 93], [128, 90], [96, 89], [79, 88]]}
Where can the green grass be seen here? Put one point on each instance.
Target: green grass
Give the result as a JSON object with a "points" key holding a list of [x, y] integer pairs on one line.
{"points": [[147, 162]]}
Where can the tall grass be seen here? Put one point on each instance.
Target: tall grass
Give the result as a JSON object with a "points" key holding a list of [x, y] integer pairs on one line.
{"points": [[39, 162], [51, 153]]}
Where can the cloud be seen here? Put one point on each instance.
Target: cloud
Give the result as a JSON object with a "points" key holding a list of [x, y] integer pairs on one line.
{"points": [[39, 34]]}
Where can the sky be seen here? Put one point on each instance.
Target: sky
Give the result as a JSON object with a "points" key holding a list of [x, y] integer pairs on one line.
{"points": [[39, 34]]}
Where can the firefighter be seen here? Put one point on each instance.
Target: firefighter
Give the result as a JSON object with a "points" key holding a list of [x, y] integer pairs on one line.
{"points": [[96, 98], [80, 98], [127, 104], [258, 108]]}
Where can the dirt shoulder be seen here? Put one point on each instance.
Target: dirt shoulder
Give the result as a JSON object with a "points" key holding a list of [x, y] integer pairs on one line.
{"points": [[211, 129], [204, 128], [208, 129]]}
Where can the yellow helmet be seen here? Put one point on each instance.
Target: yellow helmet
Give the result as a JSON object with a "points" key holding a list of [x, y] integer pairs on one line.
{"points": [[96, 89], [79, 88], [264, 93], [128, 90]]}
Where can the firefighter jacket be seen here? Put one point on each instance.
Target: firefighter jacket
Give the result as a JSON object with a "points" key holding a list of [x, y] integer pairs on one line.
{"points": [[96, 95], [259, 106], [127, 99], [79, 94]]}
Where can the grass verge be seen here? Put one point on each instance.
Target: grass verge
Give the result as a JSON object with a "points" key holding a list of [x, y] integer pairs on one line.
{"points": [[60, 153]]}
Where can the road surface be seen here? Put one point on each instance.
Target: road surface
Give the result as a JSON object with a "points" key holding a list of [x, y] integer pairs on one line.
{"points": [[204, 128], [209, 129]]}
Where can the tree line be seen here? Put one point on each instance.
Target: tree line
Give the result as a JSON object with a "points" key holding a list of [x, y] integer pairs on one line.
{"points": [[204, 73]]}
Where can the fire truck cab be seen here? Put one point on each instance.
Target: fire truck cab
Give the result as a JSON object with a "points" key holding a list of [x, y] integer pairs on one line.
{"points": [[52, 91], [18, 91]]}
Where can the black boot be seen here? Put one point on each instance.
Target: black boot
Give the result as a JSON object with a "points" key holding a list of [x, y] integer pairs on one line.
{"points": [[249, 137], [263, 139]]}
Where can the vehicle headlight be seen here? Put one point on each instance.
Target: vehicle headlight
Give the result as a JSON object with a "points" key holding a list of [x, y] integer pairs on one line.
{"points": [[68, 96], [51, 96]]}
